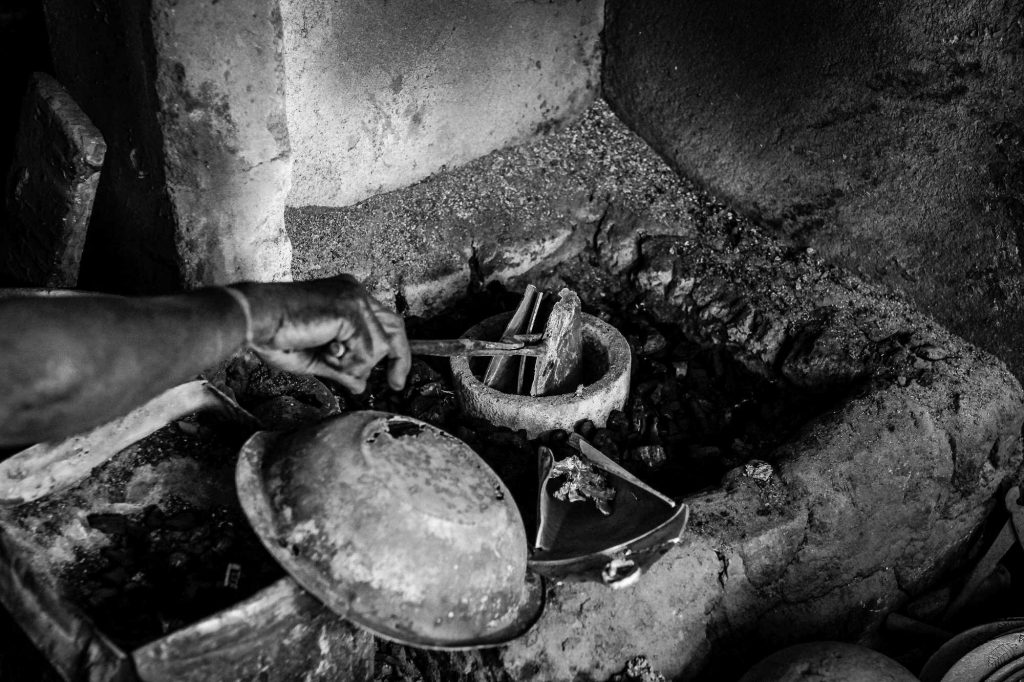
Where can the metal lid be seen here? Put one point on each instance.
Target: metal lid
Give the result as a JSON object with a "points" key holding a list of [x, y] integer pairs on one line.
{"points": [[395, 525]]}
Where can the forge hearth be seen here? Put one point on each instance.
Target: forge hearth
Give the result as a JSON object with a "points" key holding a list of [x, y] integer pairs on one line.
{"points": [[838, 450]]}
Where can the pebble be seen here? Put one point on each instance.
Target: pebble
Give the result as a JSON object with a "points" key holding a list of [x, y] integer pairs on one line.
{"points": [[618, 422]]}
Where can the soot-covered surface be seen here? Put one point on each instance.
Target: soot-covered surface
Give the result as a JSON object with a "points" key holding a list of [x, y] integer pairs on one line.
{"points": [[155, 539]]}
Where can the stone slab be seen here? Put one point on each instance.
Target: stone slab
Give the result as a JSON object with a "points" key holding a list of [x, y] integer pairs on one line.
{"points": [[381, 95], [50, 188]]}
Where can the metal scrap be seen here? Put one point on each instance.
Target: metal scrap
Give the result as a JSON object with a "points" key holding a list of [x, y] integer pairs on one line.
{"points": [[582, 482]]}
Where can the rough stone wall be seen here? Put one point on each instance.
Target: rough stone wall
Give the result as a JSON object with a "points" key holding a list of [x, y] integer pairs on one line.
{"points": [[382, 94], [887, 135]]}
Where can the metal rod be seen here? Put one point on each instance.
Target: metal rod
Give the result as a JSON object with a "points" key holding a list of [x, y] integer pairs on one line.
{"points": [[456, 347]]}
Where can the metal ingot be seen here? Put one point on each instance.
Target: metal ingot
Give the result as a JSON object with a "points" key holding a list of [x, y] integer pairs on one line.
{"points": [[395, 525]]}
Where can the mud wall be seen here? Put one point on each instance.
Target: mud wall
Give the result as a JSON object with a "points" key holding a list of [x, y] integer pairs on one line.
{"points": [[886, 135]]}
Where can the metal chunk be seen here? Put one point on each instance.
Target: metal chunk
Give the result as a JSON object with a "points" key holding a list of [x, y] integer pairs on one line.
{"points": [[558, 370]]}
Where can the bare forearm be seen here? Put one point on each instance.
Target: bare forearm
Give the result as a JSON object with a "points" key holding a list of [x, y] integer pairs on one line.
{"points": [[68, 364]]}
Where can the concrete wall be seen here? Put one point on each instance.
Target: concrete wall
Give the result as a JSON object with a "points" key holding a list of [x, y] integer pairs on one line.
{"points": [[382, 94], [887, 135]]}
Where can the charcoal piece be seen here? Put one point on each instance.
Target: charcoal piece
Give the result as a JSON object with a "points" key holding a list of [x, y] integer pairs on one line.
{"points": [[652, 344], [652, 432], [638, 415], [223, 545], [177, 560], [651, 456], [154, 517], [586, 428], [658, 370], [421, 373], [618, 422], [555, 438], [605, 442], [434, 404]]}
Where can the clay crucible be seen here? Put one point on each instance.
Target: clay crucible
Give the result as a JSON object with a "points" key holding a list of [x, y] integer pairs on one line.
{"points": [[604, 386]]}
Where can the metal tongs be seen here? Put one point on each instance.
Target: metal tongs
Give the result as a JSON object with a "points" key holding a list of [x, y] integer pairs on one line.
{"points": [[549, 360], [524, 345]]}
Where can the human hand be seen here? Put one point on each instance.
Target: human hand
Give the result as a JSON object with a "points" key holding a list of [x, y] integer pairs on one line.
{"points": [[294, 323]]}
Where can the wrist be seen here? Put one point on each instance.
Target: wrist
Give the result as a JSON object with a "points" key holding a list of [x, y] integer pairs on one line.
{"points": [[264, 301], [243, 304]]}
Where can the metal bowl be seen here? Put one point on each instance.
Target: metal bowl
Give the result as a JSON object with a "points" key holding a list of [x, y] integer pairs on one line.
{"points": [[395, 525]]}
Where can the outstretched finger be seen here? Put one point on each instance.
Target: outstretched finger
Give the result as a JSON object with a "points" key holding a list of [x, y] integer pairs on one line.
{"points": [[400, 357]]}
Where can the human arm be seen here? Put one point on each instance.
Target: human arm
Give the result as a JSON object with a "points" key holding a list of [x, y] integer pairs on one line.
{"points": [[70, 363]]}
